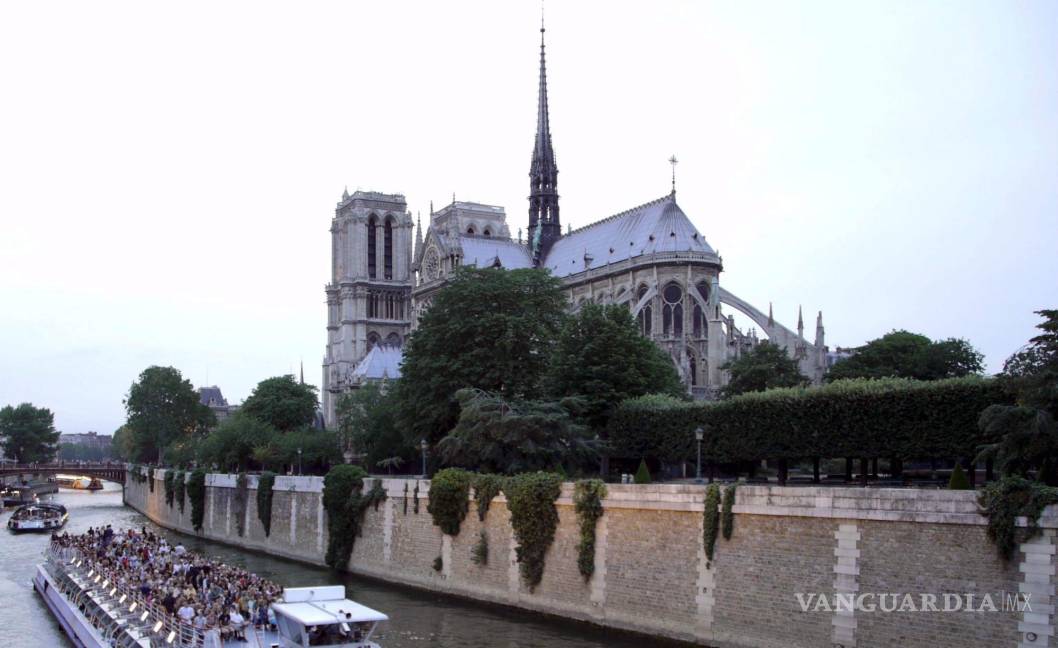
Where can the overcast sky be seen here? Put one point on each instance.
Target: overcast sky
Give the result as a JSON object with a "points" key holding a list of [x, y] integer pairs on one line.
{"points": [[168, 172]]}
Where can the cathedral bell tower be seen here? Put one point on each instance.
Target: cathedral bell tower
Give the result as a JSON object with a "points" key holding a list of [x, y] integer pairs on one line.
{"points": [[544, 225]]}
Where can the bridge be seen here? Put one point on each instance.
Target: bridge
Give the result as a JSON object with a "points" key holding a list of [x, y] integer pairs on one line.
{"points": [[111, 471]]}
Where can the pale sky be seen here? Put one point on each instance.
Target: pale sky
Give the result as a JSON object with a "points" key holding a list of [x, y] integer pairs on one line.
{"points": [[168, 172]]}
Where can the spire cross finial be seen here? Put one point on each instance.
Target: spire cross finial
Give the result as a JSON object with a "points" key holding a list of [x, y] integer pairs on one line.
{"points": [[673, 161]]}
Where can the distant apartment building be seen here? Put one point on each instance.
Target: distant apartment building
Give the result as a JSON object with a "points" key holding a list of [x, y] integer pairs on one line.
{"points": [[87, 440]]}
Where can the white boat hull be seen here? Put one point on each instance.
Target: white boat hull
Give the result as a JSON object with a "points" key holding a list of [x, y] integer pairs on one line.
{"points": [[73, 623]]}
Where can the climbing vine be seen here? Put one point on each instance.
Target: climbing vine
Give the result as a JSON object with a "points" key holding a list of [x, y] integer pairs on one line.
{"points": [[180, 488], [241, 485], [150, 478], [438, 564], [405, 498], [196, 492], [345, 503], [727, 513], [710, 526], [587, 502], [479, 555], [1003, 501], [449, 499], [169, 488], [264, 500], [486, 488], [415, 498], [531, 500]]}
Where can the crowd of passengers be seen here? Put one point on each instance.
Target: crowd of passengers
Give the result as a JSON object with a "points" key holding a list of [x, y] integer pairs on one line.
{"points": [[219, 600]]}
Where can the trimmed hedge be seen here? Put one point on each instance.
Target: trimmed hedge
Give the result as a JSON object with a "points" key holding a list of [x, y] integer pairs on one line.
{"points": [[848, 418]]}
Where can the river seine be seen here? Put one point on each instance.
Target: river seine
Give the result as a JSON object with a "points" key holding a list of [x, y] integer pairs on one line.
{"points": [[417, 620]]}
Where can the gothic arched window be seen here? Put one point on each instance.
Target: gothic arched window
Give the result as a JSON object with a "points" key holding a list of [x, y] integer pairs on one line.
{"points": [[387, 236], [699, 321], [470, 230], [703, 290], [487, 232], [372, 247], [672, 310], [393, 340], [694, 371], [645, 317], [372, 340]]}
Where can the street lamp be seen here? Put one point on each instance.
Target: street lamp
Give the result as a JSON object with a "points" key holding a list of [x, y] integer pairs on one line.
{"points": [[699, 434], [299, 461], [423, 445]]}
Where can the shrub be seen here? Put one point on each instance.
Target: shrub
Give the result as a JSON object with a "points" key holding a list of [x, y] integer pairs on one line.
{"points": [[727, 515], [486, 487], [958, 480], [346, 505], [449, 499], [264, 500], [642, 473], [438, 564], [1003, 501], [196, 492], [710, 520], [587, 502], [180, 488], [531, 500], [241, 490], [847, 418], [169, 476]]}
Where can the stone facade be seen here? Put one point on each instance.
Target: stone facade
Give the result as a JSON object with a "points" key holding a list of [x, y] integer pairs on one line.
{"points": [[652, 575]]}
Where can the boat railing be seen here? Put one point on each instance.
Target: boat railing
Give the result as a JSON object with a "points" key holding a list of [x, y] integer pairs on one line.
{"points": [[125, 606]]}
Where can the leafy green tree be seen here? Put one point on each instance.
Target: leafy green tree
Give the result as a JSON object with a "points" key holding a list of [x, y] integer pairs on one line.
{"points": [[28, 433], [1027, 431], [491, 329], [642, 475], [766, 366], [162, 407], [602, 359], [958, 479], [81, 452], [319, 450], [901, 354], [282, 402], [367, 425], [232, 445], [121, 444], [501, 436]]}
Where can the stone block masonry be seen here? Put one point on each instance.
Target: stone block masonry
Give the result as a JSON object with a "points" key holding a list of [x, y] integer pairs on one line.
{"points": [[823, 547]]}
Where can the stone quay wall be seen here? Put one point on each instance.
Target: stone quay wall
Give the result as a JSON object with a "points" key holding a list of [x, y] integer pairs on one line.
{"points": [[651, 573]]}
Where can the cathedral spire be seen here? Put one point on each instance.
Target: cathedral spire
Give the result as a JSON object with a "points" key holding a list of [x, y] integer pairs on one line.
{"points": [[800, 323], [418, 231], [544, 224]]}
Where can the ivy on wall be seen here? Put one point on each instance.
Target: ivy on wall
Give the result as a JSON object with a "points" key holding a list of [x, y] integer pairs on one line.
{"points": [[449, 499], [1003, 501], [180, 488], [710, 520], [150, 478], [479, 555], [534, 518], [727, 514], [169, 488], [415, 498], [264, 500], [587, 502], [241, 486], [405, 498], [196, 492], [486, 487], [346, 504]]}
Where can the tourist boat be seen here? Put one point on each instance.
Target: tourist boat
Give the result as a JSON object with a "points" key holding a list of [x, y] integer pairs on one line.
{"points": [[96, 613], [38, 517], [79, 482]]}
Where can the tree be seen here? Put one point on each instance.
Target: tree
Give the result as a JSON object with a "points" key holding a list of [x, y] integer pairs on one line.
{"points": [[282, 402], [162, 407], [367, 425], [602, 359], [901, 354], [121, 444], [235, 443], [28, 433], [500, 436], [766, 366], [642, 475], [490, 328], [1027, 431]]}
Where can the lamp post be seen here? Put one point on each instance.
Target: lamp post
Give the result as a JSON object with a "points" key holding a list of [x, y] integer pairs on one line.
{"points": [[422, 445], [699, 434], [299, 462]]}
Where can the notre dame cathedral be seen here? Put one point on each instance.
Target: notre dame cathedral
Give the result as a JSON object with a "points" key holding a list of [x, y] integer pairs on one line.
{"points": [[649, 258]]}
